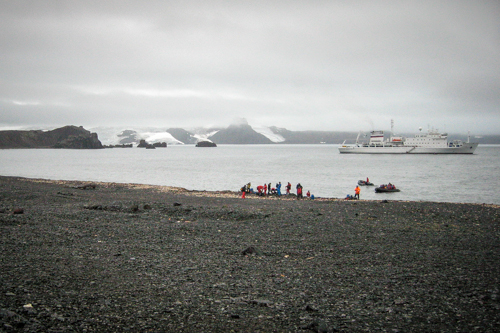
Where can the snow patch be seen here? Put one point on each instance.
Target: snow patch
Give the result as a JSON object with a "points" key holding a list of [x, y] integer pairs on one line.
{"points": [[268, 133], [152, 137], [109, 135], [204, 136]]}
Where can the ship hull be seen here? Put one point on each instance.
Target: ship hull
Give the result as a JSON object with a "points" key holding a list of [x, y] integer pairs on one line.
{"points": [[373, 150], [466, 148]]}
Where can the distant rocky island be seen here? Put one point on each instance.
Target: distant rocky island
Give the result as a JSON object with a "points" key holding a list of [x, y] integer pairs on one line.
{"points": [[69, 137], [205, 143], [144, 144], [119, 146]]}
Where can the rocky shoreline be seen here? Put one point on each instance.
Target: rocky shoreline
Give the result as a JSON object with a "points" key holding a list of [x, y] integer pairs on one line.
{"points": [[94, 257]]}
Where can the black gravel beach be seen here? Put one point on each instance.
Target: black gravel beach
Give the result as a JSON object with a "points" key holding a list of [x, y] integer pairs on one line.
{"points": [[107, 257]]}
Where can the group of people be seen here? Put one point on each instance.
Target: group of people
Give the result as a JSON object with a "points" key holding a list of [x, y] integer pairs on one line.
{"points": [[388, 186], [267, 189]]}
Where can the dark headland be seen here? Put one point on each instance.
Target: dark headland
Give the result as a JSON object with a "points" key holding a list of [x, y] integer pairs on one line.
{"points": [[106, 257], [69, 137]]}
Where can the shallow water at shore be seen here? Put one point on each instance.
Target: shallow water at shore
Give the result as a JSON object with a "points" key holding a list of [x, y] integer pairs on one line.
{"points": [[319, 168]]}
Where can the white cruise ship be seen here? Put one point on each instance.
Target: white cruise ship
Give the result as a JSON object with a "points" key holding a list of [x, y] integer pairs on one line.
{"points": [[431, 142]]}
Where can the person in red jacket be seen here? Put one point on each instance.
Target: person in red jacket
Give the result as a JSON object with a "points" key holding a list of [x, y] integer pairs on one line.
{"points": [[299, 191], [260, 189]]}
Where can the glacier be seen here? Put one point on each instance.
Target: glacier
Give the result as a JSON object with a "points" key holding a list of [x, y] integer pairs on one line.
{"points": [[267, 132]]}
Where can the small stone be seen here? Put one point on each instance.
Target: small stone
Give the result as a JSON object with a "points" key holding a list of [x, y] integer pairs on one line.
{"points": [[29, 309], [399, 301], [310, 308], [57, 317], [262, 302], [18, 211], [249, 250]]}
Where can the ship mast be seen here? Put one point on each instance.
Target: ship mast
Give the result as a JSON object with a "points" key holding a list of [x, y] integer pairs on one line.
{"points": [[392, 129], [357, 138]]}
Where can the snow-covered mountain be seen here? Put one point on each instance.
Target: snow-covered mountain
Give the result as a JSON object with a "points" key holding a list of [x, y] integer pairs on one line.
{"points": [[237, 133], [133, 135]]}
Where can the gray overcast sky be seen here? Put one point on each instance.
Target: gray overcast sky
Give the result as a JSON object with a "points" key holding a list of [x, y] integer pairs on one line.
{"points": [[303, 65]]}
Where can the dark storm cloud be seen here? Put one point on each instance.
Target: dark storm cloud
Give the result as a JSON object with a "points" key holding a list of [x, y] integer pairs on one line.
{"points": [[326, 65]]}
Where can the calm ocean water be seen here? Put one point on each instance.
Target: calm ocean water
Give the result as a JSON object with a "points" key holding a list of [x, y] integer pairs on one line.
{"points": [[319, 168]]}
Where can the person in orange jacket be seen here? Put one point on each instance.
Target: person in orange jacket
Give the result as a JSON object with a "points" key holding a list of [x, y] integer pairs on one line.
{"points": [[356, 191]]}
